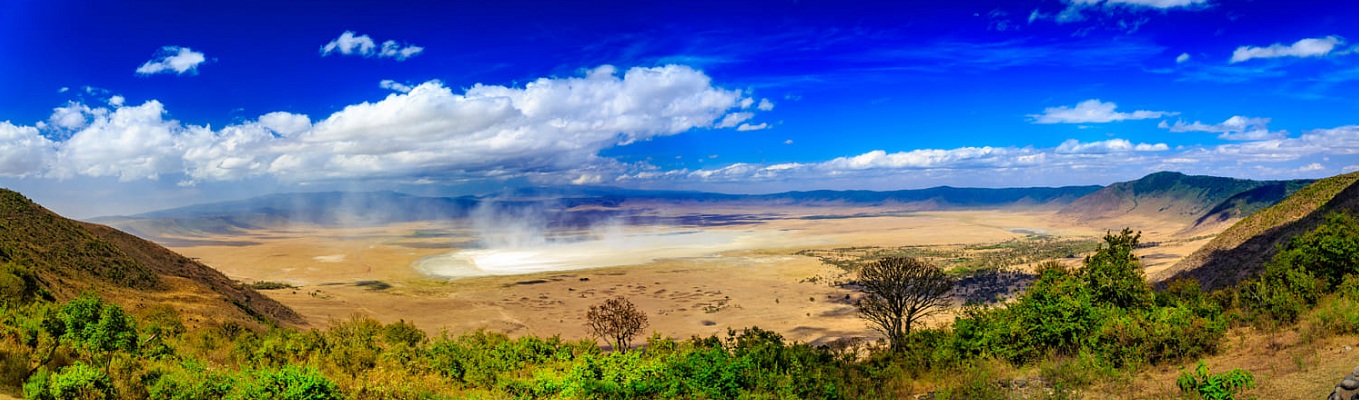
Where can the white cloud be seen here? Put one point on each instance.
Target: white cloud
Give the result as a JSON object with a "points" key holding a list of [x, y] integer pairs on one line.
{"points": [[1092, 111], [1182, 58], [70, 117], [1073, 146], [348, 44], [765, 105], [129, 143], [789, 141], [179, 60], [957, 163], [390, 49], [551, 128], [23, 151], [734, 119], [1340, 140], [361, 45], [1234, 128], [1310, 47], [587, 179], [1311, 167], [285, 124], [395, 86], [749, 127]]}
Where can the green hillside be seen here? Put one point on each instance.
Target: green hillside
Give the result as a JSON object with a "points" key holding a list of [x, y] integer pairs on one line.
{"points": [[67, 258], [1241, 250]]}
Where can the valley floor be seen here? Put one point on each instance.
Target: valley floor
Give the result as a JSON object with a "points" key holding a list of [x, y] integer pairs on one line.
{"points": [[343, 271]]}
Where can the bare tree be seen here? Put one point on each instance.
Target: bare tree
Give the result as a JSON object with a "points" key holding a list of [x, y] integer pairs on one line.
{"points": [[617, 321], [898, 292]]}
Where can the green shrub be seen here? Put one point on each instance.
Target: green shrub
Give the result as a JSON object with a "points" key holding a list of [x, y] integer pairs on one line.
{"points": [[289, 383], [1204, 385], [76, 381], [1339, 314], [190, 381], [1113, 274], [19, 285], [1280, 295], [976, 381], [1330, 251], [1056, 316], [95, 327]]}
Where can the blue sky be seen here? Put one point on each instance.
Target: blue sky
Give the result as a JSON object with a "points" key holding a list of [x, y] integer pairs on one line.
{"points": [[151, 104]]}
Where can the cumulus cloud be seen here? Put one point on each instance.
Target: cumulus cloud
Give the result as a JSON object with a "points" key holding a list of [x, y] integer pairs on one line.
{"points": [[23, 150], [284, 123], [1234, 128], [362, 45], [1182, 58], [1310, 47], [70, 117], [173, 59], [129, 143], [1092, 111], [549, 127]]}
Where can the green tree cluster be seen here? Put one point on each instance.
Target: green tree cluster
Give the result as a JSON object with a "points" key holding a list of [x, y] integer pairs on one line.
{"points": [[1104, 308]]}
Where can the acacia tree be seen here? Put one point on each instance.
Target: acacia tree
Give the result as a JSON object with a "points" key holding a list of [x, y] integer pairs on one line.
{"points": [[617, 321], [898, 292]]}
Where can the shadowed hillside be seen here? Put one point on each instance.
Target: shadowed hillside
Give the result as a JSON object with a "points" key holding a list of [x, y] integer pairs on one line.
{"points": [[1241, 250], [69, 257], [1196, 200]]}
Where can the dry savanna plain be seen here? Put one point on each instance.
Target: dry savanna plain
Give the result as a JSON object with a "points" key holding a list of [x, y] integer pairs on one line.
{"points": [[766, 271]]}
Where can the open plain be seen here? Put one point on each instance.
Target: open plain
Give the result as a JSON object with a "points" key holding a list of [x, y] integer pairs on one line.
{"points": [[693, 280]]}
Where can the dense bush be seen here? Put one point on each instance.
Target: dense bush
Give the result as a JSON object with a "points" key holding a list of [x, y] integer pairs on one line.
{"points": [[1104, 308], [77, 381], [1308, 267]]}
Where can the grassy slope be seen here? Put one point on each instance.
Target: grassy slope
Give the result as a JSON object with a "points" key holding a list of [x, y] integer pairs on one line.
{"points": [[71, 257], [1242, 250]]}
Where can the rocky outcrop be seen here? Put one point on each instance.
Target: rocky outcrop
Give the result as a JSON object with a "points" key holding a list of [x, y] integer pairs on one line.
{"points": [[1348, 388]]}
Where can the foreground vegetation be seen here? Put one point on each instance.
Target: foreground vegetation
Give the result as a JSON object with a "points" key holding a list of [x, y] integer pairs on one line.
{"points": [[1077, 326]]}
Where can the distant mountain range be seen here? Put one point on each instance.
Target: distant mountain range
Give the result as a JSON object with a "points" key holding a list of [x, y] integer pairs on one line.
{"points": [[1196, 200], [68, 258]]}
